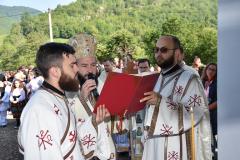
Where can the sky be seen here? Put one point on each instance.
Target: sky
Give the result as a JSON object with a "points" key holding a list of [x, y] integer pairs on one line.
{"points": [[41, 5]]}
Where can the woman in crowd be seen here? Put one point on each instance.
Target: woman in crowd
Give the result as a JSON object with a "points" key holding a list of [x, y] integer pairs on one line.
{"points": [[18, 100], [209, 79]]}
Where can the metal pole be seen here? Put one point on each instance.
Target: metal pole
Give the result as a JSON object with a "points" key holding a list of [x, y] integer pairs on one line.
{"points": [[50, 25]]}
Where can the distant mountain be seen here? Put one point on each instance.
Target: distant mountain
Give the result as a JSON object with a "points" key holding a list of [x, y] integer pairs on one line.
{"points": [[10, 15]]}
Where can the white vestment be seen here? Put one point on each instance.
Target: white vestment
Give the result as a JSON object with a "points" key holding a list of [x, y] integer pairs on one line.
{"points": [[167, 125], [104, 148], [83, 109], [49, 131]]}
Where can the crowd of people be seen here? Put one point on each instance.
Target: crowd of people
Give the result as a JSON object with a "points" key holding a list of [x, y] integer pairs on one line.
{"points": [[16, 89], [53, 105]]}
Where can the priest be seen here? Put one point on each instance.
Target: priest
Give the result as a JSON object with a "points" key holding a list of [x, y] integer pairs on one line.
{"points": [[177, 119], [83, 101]]}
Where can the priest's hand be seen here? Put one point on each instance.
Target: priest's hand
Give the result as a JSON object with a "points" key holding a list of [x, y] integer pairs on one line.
{"points": [[151, 98], [87, 87], [102, 114]]}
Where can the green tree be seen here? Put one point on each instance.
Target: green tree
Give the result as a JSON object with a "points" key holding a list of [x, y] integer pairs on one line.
{"points": [[121, 43]]}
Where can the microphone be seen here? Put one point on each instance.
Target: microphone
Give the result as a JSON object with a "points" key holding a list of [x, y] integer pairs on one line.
{"points": [[94, 91]]}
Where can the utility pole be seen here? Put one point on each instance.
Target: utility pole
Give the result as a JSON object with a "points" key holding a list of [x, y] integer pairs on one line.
{"points": [[50, 25]]}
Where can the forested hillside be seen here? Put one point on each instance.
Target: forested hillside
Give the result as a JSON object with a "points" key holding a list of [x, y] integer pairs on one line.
{"points": [[10, 15], [120, 26]]}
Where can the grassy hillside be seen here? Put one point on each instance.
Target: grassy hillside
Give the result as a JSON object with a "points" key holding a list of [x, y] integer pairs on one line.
{"points": [[10, 15]]}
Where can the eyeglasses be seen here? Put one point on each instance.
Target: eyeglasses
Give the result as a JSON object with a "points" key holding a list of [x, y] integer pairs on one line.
{"points": [[162, 49]]}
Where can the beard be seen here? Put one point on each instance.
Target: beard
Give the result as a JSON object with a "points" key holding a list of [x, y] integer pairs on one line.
{"points": [[165, 64], [68, 84]]}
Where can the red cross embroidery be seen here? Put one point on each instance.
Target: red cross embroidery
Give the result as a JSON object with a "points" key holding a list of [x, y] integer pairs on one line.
{"points": [[43, 139], [166, 130], [88, 140], [72, 136], [56, 110], [178, 90], [194, 100], [171, 105], [173, 155]]}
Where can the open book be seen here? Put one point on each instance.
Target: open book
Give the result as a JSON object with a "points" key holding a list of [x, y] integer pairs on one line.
{"points": [[121, 92]]}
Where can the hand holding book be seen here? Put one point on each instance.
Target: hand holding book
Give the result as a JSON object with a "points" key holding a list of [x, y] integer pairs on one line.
{"points": [[121, 92]]}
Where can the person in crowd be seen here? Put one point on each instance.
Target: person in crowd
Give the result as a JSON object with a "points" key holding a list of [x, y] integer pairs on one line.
{"points": [[129, 65], [35, 82], [116, 62], [143, 65], [18, 97], [108, 67], [48, 128], [197, 65], [21, 74], [4, 103], [177, 123], [209, 79]]}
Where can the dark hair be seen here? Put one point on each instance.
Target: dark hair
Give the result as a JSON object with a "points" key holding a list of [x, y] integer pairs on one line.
{"points": [[107, 59], [176, 42], [51, 54], [142, 60], [21, 85], [204, 74]]}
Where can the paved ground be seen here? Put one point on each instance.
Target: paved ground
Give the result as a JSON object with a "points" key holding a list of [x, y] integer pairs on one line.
{"points": [[8, 142]]}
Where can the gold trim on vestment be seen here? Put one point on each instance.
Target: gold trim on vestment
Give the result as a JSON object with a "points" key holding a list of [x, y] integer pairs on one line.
{"points": [[68, 123], [71, 150], [89, 112], [154, 118], [85, 105], [188, 144], [181, 128]]}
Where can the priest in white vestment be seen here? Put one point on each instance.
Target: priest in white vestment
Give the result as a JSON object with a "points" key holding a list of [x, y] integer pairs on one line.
{"points": [[84, 100], [177, 125]]}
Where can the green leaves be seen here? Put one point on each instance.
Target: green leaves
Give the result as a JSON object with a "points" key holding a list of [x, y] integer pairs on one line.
{"points": [[120, 26]]}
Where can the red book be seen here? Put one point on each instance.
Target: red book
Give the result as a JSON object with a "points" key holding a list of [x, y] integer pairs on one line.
{"points": [[121, 92]]}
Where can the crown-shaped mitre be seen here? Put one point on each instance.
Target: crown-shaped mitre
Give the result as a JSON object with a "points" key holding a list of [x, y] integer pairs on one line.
{"points": [[84, 45]]}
